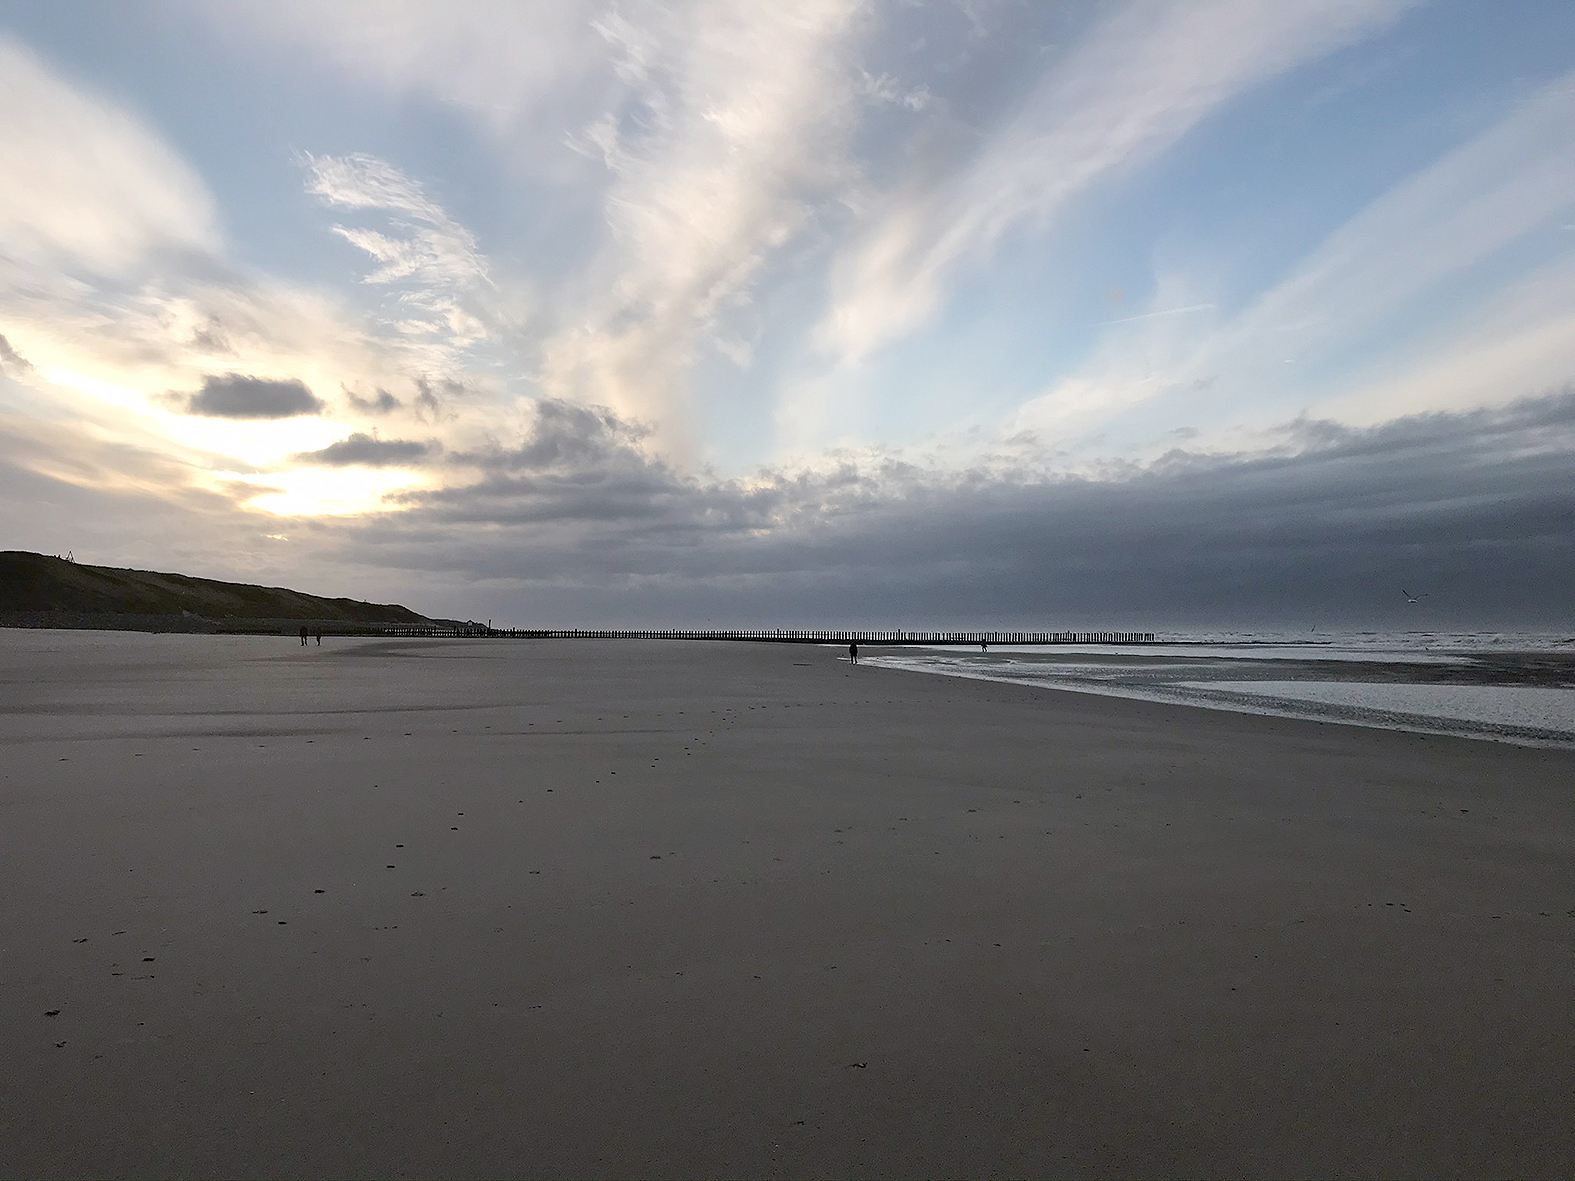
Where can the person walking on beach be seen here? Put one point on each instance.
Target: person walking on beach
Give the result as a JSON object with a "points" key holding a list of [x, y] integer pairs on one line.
{"points": [[319, 634], [853, 652], [303, 637]]}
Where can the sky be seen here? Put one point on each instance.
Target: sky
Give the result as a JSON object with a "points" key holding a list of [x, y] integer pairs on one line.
{"points": [[999, 313]]}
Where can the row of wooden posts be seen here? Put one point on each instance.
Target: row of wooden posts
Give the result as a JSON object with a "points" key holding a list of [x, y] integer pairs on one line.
{"points": [[781, 636]]}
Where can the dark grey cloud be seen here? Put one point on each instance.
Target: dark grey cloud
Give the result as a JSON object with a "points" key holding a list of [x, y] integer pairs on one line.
{"points": [[382, 402], [235, 395], [433, 395], [576, 523], [361, 450], [1478, 508], [582, 464]]}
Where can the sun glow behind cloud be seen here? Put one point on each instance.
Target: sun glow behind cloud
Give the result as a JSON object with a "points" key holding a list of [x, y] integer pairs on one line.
{"points": [[316, 492], [253, 442], [269, 451]]}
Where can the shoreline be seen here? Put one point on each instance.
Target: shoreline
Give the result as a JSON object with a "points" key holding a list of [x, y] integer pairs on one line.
{"points": [[1199, 697]]}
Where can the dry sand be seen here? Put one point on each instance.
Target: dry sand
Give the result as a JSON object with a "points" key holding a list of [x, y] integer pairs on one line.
{"points": [[449, 909]]}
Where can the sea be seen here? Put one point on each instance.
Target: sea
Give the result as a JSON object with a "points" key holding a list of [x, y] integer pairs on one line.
{"points": [[1516, 687]]}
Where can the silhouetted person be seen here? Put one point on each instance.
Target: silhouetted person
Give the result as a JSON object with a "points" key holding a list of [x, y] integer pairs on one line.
{"points": [[853, 651], [303, 637], [984, 645], [319, 634]]}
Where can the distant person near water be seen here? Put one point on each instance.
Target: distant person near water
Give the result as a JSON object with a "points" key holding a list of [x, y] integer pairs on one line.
{"points": [[303, 637], [319, 634], [984, 645], [853, 652]]}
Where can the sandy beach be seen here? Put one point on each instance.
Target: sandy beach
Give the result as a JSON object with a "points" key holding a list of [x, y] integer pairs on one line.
{"points": [[463, 909]]}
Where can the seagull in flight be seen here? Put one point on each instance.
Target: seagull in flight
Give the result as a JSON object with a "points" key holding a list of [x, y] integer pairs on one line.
{"points": [[1410, 598]]}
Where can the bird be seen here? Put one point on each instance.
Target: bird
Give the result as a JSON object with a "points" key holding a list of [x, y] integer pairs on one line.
{"points": [[1410, 598]]}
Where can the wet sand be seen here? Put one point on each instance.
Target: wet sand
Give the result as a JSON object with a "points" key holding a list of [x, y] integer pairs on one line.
{"points": [[452, 909]]}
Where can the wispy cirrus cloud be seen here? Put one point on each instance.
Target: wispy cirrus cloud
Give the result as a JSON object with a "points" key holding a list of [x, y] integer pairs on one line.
{"points": [[1398, 287], [89, 187], [504, 62], [443, 293], [1137, 83], [1427, 239], [734, 126], [1517, 338], [706, 132]]}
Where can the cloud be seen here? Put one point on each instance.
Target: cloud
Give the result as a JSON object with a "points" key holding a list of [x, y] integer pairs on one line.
{"points": [[886, 90], [361, 450], [573, 463], [235, 395], [1136, 84], [1316, 526], [706, 134], [443, 296], [87, 185], [114, 277], [11, 361], [438, 399], [1195, 307], [733, 128], [1515, 175], [684, 184], [564, 435], [1518, 337], [381, 402], [574, 521], [502, 61], [99, 486], [1356, 294], [438, 250]]}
